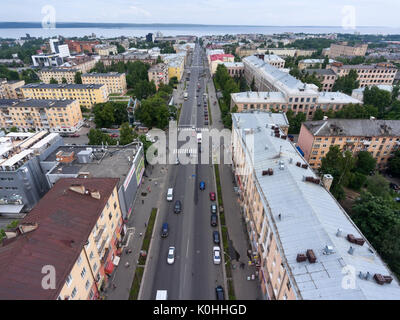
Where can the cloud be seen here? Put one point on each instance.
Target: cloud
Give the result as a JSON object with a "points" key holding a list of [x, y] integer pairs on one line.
{"points": [[139, 11]]}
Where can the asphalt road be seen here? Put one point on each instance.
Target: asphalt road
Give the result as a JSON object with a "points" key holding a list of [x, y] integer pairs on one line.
{"points": [[193, 276]]}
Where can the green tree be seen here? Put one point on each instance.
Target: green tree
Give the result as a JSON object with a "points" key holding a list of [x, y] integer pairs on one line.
{"points": [[357, 180], [78, 77], [53, 81], [378, 186], [159, 60], [126, 134], [394, 164], [347, 83], [153, 112], [365, 162], [378, 98], [63, 80], [96, 137], [318, 115]]}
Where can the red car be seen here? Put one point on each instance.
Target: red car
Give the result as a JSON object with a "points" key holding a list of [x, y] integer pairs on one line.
{"points": [[114, 135], [212, 196], [75, 135]]}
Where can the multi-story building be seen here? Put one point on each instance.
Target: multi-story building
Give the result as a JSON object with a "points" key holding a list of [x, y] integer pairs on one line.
{"points": [[235, 69], [81, 46], [86, 94], [47, 60], [11, 89], [216, 59], [176, 64], [282, 92], [82, 62], [381, 138], [75, 230], [23, 182], [283, 52], [303, 242], [159, 74], [129, 57], [327, 77], [36, 114], [312, 63], [343, 50], [123, 162], [116, 82], [45, 75], [274, 60], [368, 75], [105, 49]]}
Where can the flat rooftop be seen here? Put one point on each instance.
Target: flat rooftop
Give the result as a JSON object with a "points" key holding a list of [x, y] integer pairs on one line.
{"points": [[57, 70], [62, 86], [97, 75], [35, 103], [310, 218]]}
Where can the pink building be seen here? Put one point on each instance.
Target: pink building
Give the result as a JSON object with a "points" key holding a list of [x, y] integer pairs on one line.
{"points": [[217, 59]]}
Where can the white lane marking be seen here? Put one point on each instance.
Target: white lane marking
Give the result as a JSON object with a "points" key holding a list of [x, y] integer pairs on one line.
{"points": [[187, 249]]}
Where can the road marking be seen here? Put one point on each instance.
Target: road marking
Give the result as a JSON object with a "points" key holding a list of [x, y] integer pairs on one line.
{"points": [[187, 249], [132, 232]]}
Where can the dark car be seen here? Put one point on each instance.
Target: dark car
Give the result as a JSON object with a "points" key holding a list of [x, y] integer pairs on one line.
{"points": [[206, 122], [394, 186], [178, 206], [214, 220], [216, 237], [212, 196], [202, 185], [219, 291], [164, 230], [213, 208]]}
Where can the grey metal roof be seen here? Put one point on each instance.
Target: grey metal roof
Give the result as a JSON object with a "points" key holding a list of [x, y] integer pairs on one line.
{"points": [[328, 72], [354, 127], [310, 218], [34, 103], [109, 74], [62, 86]]}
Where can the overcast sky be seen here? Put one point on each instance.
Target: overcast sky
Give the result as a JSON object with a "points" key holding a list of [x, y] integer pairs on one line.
{"points": [[232, 12]]}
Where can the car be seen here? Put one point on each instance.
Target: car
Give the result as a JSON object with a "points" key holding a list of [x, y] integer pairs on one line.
{"points": [[202, 185], [217, 255], [397, 199], [171, 255], [394, 186], [219, 291], [206, 117], [178, 206], [198, 104], [114, 135], [212, 196], [213, 208], [214, 220], [216, 237], [164, 230], [75, 135], [205, 122]]}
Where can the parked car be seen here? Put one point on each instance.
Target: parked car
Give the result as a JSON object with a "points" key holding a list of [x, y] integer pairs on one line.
{"points": [[394, 186], [214, 220], [202, 185], [114, 135], [212, 196], [216, 255], [75, 135], [219, 291], [164, 230], [171, 255], [206, 122], [216, 237], [178, 206], [213, 208]]}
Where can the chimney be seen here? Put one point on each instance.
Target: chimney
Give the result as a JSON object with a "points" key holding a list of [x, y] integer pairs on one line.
{"points": [[327, 180]]}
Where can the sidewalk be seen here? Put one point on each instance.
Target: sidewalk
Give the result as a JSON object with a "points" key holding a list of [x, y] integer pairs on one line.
{"points": [[239, 241], [122, 276]]}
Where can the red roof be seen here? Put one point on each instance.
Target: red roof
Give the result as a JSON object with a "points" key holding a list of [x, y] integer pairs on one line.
{"points": [[65, 219], [221, 57]]}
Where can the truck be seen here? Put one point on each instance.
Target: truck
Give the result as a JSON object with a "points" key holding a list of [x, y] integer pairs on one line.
{"points": [[185, 96], [162, 295], [199, 137]]}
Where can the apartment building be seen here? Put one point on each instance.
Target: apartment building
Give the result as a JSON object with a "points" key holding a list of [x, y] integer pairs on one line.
{"points": [[86, 94], [82, 63], [312, 63], [274, 60], [75, 230], [115, 82], [11, 89], [45, 75], [381, 138], [129, 57], [159, 74], [176, 64], [217, 59], [23, 181], [303, 242], [343, 50], [235, 69], [105, 49], [327, 77], [36, 114], [279, 91], [368, 75], [81, 46], [282, 52]]}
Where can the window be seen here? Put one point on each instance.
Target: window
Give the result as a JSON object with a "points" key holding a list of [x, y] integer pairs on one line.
{"points": [[91, 256], [73, 294], [95, 267], [87, 285], [69, 280], [79, 260], [83, 273]]}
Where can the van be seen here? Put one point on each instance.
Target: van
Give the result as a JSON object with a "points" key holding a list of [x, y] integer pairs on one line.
{"points": [[170, 194]]}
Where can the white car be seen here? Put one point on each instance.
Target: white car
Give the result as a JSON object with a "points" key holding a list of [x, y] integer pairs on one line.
{"points": [[217, 255], [171, 255]]}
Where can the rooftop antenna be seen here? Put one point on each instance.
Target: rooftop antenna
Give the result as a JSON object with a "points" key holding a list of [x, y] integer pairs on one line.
{"points": [[351, 250]]}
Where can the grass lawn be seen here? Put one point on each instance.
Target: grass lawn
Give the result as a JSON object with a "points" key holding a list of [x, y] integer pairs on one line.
{"points": [[147, 236], [137, 280]]}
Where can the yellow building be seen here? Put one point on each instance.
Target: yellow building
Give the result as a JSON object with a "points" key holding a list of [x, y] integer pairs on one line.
{"points": [[176, 64], [381, 138], [105, 50], [86, 94], [51, 115], [116, 82], [11, 89], [85, 221], [45, 75]]}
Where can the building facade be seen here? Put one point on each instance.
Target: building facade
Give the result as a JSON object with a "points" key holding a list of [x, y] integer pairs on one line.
{"points": [[81, 46], [86, 94], [343, 50], [11, 89], [327, 77], [312, 63], [381, 138], [115, 82], [159, 74], [105, 49], [45, 75], [274, 60], [235, 69], [217, 59], [47, 60]]}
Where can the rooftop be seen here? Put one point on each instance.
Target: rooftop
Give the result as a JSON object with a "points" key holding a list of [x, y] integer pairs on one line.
{"points": [[35, 103], [57, 70], [324, 72], [272, 58], [215, 57], [109, 74], [62, 86], [354, 127], [233, 64], [310, 219], [65, 219]]}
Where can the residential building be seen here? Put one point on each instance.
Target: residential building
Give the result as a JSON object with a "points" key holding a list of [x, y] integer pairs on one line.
{"points": [[46, 74], [47, 60], [81, 46], [37, 114], [327, 77], [176, 64], [129, 57], [11, 89], [61, 49], [298, 231], [76, 230], [312, 63], [86, 94], [282, 52], [216, 59], [82, 63], [23, 182], [159, 74], [116, 82], [368, 75], [105, 49], [123, 162], [274, 60], [381, 138], [343, 50], [235, 69]]}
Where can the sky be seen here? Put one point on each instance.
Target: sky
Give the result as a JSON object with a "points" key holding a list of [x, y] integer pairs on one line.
{"points": [[219, 12]]}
